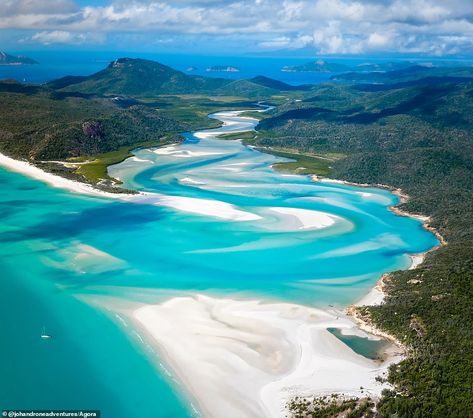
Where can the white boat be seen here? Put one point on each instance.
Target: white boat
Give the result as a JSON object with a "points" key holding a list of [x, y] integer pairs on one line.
{"points": [[44, 335]]}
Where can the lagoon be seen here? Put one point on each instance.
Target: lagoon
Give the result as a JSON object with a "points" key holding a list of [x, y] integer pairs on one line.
{"points": [[213, 219]]}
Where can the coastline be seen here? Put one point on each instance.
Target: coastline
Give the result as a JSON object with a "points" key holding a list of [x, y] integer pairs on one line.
{"points": [[378, 292], [256, 355], [290, 382], [28, 169]]}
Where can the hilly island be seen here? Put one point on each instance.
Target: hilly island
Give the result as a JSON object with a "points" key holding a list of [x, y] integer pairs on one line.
{"points": [[141, 130]]}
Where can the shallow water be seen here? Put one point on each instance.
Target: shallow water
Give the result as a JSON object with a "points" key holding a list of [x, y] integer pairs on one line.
{"points": [[61, 251], [369, 348]]}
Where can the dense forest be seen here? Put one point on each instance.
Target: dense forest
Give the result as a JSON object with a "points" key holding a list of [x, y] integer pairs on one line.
{"points": [[41, 124], [419, 138]]}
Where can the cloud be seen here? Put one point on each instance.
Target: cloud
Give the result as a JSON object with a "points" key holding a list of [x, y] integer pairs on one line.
{"points": [[329, 26], [29, 7], [64, 37]]}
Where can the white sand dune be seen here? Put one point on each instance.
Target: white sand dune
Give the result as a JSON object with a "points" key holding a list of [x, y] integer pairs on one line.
{"points": [[183, 153], [246, 359], [305, 218], [207, 207]]}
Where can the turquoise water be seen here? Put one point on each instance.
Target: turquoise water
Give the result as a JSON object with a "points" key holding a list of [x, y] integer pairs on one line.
{"points": [[61, 251]]}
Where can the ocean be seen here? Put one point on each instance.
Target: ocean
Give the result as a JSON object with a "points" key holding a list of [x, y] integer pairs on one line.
{"points": [[216, 220]]}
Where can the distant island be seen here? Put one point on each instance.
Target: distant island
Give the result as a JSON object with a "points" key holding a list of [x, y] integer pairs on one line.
{"points": [[386, 66], [7, 59], [222, 69], [322, 66], [319, 66]]}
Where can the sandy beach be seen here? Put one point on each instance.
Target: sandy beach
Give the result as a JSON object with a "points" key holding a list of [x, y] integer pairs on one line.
{"points": [[248, 358], [205, 207], [253, 357], [24, 167]]}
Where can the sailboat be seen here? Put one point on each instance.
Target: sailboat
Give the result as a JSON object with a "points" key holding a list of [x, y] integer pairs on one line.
{"points": [[44, 335]]}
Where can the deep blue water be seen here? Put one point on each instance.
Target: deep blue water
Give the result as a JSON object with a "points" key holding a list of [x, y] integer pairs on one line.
{"points": [[54, 65]]}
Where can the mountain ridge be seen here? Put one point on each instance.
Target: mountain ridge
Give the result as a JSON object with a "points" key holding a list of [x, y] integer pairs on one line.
{"points": [[140, 77]]}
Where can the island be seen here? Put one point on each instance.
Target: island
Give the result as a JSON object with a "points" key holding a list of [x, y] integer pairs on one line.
{"points": [[318, 66], [222, 69], [7, 59]]}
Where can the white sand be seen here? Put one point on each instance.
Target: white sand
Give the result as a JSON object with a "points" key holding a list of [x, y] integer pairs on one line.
{"points": [[190, 180], [374, 297], [246, 359], [183, 153], [140, 160], [307, 219], [30, 170], [229, 119], [376, 294], [416, 260], [206, 207]]}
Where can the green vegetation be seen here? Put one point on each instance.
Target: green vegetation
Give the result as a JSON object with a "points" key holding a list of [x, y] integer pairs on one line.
{"points": [[331, 407], [139, 77], [418, 138], [39, 124], [102, 117], [319, 66], [415, 132], [194, 110], [95, 171], [320, 164], [413, 73], [248, 137], [82, 117], [256, 114]]}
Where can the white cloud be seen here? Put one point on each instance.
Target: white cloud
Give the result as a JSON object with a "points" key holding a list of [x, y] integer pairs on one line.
{"points": [[331, 26], [64, 37]]}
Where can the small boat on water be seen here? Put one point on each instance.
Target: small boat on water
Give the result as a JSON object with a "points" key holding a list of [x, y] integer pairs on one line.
{"points": [[44, 335]]}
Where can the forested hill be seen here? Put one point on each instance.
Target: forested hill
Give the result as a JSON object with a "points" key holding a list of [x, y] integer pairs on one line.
{"points": [[403, 74], [140, 77], [418, 138], [39, 124], [131, 102]]}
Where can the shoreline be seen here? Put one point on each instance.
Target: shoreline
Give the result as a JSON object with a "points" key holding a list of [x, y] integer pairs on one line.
{"points": [[289, 382], [257, 355], [30, 170], [378, 293]]}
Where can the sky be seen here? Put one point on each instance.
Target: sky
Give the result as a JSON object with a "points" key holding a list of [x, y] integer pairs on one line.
{"points": [[440, 28]]}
